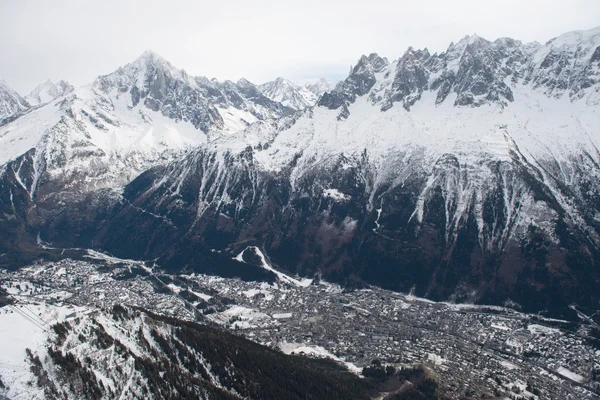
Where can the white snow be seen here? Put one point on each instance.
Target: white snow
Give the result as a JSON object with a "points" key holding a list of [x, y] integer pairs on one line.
{"points": [[25, 326], [508, 365], [282, 315], [502, 327], [336, 195], [203, 296], [436, 359], [539, 329], [23, 134], [47, 92], [303, 282], [253, 292], [177, 289], [317, 351], [240, 317], [569, 374]]}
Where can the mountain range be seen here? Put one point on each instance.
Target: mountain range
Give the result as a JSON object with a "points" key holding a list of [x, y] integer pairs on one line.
{"points": [[468, 175], [295, 96]]}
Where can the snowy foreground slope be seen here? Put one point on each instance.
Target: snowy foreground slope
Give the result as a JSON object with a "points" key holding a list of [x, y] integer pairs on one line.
{"points": [[467, 175], [83, 330], [130, 353]]}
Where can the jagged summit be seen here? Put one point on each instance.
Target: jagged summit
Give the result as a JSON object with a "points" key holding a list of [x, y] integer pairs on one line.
{"points": [[475, 72], [145, 113], [159, 86], [290, 94], [373, 62], [12, 105], [244, 82], [150, 57], [473, 38], [282, 80], [48, 91]]}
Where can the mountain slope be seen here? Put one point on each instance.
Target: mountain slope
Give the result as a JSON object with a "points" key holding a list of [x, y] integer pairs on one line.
{"points": [[469, 175], [145, 113], [461, 175], [11, 104], [289, 94], [48, 91], [319, 87], [132, 353]]}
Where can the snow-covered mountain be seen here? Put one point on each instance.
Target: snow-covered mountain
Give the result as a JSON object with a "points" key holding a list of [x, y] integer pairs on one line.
{"points": [[319, 86], [472, 174], [48, 91], [298, 97], [289, 94], [12, 104], [474, 72], [145, 113]]}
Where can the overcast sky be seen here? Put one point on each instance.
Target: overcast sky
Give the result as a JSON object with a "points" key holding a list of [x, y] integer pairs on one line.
{"points": [[78, 40]]}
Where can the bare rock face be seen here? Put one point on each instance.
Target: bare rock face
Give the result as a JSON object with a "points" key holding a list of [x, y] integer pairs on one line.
{"points": [[359, 82]]}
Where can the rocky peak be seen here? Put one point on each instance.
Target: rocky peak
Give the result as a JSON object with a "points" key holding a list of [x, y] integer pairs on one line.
{"points": [[320, 86], [568, 64], [411, 79], [358, 83], [289, 94], [245, 83], [479, 78], [12, 105], [148, 73], [48, 91], [373, 63], [149, 56], [281, 81], [152, 81], [478, 72]]}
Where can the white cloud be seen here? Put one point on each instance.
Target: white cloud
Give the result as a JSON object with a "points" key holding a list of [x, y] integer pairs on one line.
{"points": [[259, 39]]}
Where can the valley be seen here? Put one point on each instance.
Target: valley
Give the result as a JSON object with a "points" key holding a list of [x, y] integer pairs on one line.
{"points": [[427, 227], [470, 349]]}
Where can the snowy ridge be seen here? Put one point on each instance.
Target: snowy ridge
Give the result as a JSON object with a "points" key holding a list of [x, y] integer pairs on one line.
{"points": [[471, 139], [144, 114], [289, 94], [48, 91], [11, 103]]}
